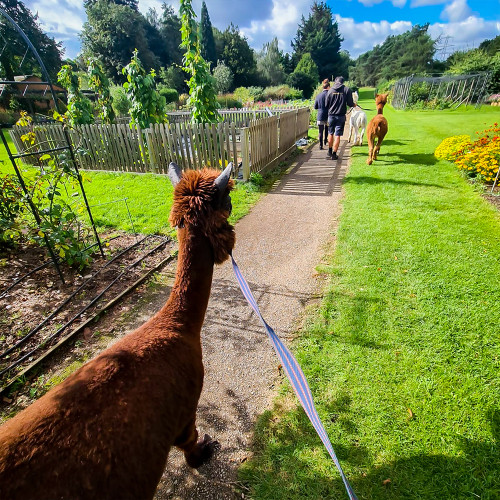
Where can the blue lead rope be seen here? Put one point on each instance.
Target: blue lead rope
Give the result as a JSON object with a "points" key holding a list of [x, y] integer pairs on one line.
{"points": [[296, 377]]}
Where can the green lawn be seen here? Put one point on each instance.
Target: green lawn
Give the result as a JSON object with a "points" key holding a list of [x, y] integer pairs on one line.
{"points": [[148, 198], [403, 354]]}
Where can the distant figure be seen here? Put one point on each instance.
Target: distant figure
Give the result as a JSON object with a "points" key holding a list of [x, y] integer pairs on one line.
{"points": [[319, 104], [337, 100]]}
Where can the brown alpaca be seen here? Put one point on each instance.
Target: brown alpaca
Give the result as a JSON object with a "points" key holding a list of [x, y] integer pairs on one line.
{"points": [[377, 128], [105, 432]]}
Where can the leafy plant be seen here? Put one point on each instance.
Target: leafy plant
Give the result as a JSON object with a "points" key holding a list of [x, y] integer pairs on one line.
{"points": [[79, 107], [11, 206], [202, 85], [58, 219], [148, 106], [99, 83]]}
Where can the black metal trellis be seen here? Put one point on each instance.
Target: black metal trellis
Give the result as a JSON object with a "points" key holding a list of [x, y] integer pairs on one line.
{"points": [[68, 147]]}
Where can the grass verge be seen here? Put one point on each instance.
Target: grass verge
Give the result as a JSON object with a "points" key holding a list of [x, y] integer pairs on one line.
{"points": [[403, 354], [142, 202]]}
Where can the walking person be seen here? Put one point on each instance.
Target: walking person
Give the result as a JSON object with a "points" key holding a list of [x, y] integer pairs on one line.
{"points": [[322, 118], [336, 101]]}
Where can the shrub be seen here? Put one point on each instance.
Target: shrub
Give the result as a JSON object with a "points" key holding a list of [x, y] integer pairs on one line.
{"points": [[121, 103], [302, 81], [229, 101], [282, 92], [170, 95], [8, 117], [223, 76], [248, 95], [11, 206]]}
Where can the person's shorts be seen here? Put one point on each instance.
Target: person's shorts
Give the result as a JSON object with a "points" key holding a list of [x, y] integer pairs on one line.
{"points": [[336, 124], [322, 123]]}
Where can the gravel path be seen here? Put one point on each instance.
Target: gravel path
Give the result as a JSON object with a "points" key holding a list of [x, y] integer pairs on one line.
{"points": [[277, 248]]}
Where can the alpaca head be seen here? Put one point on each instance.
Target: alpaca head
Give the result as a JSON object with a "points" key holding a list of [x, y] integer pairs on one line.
{"points": [[381, 99], [202, 205]]}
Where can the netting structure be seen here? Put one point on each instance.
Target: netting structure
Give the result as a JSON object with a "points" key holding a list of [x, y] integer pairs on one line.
{"points": [[446, 91]]}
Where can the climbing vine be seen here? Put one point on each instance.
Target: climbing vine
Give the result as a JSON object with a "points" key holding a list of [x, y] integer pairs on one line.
{"points": [[79, 107], [148, 106], [99, 83], [202, 85], [51, 193]]}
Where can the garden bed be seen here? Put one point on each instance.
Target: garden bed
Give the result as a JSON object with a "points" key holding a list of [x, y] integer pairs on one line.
{"points": [[36, 299]]}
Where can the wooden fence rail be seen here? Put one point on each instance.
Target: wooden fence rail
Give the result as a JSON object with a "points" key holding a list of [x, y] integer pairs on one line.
{"points": [[120, 148]]}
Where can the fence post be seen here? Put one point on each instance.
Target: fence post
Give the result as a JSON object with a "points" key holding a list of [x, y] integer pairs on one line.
{"points": [[245, 154]]}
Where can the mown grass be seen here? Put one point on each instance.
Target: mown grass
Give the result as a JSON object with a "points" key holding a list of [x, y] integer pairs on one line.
{"points": [[403, 354], [142, 202]]}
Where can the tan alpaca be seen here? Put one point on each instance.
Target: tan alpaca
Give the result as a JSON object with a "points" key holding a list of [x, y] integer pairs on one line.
{"points": [[105, 432], [377, 128]]}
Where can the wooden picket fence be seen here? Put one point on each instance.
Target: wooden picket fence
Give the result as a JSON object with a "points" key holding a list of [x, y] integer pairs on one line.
{"points": [[120, 148]]}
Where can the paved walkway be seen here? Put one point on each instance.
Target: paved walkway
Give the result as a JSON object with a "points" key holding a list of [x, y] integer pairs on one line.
{"points": [[277, 248]]}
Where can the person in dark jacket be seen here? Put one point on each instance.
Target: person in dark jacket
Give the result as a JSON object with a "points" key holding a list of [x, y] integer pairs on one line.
{"points": [[322, 118], [337, 100]]}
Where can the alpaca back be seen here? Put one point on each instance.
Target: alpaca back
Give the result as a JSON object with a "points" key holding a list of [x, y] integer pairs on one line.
{"points": [[105, 432]]}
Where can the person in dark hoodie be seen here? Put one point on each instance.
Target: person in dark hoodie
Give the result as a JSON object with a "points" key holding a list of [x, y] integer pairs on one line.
{"points": [[337, 100], [322, 118]]}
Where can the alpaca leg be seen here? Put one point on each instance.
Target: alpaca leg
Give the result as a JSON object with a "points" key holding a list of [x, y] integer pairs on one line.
{"points": [[361, 133], [377, 148], [370, 151], [196, 452]]}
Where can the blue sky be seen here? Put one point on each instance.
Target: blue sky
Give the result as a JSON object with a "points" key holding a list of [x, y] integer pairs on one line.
{"points": [[462, 24]]}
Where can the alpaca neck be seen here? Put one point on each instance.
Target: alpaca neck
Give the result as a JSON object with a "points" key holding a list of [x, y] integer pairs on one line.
{"points": [[380, 110], [191, 291]]}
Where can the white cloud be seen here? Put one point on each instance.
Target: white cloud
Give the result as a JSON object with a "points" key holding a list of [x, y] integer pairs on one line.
{"points": [[466, 34], [361, 37], [282, 23], [456, 11]]}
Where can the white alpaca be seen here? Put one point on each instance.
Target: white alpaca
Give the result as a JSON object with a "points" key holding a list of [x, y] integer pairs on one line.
{"points": [[355, 97], [357, 126]]}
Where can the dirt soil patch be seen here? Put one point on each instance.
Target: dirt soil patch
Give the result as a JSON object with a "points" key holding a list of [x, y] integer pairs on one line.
{"points": [[39, 311]]}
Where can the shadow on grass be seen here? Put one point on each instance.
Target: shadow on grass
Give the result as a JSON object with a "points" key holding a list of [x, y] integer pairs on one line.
{"points": [[289, 465], [363, 179]]}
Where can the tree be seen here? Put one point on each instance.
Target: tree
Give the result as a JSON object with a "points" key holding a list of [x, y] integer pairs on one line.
{"points": [[15, 47], [223, 77], [202, 93], [238, 55], [174, 77], [476, 61], [133, 4], [399, 55], [319, 35], [110, 35], [491, 47], [207, 42], [269, 63], [170, 30], [305, 77]]}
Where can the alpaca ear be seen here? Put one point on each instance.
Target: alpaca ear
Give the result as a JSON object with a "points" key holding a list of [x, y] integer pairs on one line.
{"points": [[223, 179], [174, 173]]}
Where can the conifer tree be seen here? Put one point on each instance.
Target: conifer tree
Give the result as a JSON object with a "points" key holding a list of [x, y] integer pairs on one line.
{"points": [[319, 35], [207, 42]]}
